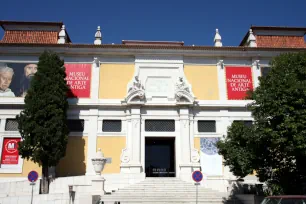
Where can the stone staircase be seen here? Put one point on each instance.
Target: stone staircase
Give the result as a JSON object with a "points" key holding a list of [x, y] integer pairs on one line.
{"points": [[165, 190]]}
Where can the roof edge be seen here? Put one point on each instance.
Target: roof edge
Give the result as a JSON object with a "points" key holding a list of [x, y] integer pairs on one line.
{"points": [[5, 22]]}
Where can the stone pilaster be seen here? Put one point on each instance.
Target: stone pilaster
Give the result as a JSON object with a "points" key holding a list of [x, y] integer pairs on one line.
{"points": [[256, 71], [95, 80], [92, 140], [131, 156], [186, 166]]}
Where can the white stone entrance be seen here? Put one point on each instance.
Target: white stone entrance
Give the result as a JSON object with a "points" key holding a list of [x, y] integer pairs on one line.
{"points": [[159, 91]]}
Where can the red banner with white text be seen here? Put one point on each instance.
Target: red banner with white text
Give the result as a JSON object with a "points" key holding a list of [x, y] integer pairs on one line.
{"points": [[10, 151], [238, 82], [78, 79]]}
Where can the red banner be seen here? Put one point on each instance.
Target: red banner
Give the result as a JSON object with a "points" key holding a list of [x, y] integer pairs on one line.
{"points": [[78, 79], [10, 151], [238, 82]]}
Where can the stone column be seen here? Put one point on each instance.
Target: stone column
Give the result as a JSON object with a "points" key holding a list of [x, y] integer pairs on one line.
{"points": [[195, 153], [221, 80], [92, 140], [132, 153], [136, 140], [95, 80], [256, 72], [184, 137]]}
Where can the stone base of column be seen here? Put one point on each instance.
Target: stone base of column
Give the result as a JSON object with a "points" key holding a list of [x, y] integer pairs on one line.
{"points": [[186, 171], [97, 185], [131, 168]]}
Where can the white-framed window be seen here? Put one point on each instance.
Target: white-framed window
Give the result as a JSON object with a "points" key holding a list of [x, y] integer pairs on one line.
{"points": [[75, 125], [159, 125], [111, 126], [206, 126]]}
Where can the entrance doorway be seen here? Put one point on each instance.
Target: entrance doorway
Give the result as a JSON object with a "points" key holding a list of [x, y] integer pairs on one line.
{"points": [[160, 156]]}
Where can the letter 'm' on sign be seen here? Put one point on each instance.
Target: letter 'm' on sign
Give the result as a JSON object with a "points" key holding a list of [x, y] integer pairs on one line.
{"points": [[11, 145]]}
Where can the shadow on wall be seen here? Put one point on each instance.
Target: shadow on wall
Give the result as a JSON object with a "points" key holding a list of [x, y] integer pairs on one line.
{"points": [[243, 193], [74, 163]]}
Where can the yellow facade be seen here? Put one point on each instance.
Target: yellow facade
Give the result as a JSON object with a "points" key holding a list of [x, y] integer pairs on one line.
{"points": [[74, 163], [114, 79], [197, 143], [26, 168], [111, 146], [204, 81]]}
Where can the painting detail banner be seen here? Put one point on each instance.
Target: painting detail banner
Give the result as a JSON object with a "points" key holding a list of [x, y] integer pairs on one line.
{"points": [[10, 154], [238, 82], [78, 79], [211, 161]]}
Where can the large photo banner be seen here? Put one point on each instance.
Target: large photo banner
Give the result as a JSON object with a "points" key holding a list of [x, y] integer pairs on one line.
{"points": [[238, 82], [10, 154], [211, 161], [15, 79]]}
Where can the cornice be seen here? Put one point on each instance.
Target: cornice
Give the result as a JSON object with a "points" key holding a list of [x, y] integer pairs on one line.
{"points": [[128, 50]]}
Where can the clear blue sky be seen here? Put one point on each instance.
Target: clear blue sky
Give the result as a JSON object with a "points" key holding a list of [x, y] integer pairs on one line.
{"points": [[191, 21]]}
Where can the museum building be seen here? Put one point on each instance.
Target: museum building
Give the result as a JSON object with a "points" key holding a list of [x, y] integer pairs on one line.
{"points": [[154, 108]]}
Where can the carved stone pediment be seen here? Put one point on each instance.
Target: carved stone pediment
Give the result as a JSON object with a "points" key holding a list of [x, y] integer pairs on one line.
{"points": [[183, 93], [135, 92]]}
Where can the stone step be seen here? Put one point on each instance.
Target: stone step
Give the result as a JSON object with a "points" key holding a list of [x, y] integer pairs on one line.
{"points": [[158, 199], [168, 195], [172, 202], [165, 190]]}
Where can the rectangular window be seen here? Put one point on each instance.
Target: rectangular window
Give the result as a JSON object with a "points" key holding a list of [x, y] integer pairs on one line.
{"points": [[75, 125], [111, 126], [247, 123], [11, 125], [265, 71], [160, 125], [206, 126]]}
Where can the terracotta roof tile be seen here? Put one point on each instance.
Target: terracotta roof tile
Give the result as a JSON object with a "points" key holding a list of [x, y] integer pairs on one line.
{"points": [[280, 41], [22, 36]]}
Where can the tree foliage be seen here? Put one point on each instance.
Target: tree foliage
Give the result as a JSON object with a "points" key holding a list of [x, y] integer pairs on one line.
{"points": [[42, 123], [275, 146]]}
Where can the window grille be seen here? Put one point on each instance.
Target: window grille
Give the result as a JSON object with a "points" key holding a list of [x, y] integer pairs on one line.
{"points": [[75, 125], [247, 123], [265, 71], [160, 125], [111, 126], [11, 125], [206, 126]]}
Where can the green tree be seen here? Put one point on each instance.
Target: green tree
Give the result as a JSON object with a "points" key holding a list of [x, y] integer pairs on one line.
{"points": [[275, 146], [43, 124]]}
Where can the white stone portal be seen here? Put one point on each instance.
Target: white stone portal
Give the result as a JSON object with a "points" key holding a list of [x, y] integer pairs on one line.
{"points": [[161, 84]]}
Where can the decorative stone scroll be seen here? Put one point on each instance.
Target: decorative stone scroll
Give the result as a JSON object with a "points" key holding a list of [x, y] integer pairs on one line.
{"points": [[183, 93], [125, 157], [195, 156], [135, 91]]}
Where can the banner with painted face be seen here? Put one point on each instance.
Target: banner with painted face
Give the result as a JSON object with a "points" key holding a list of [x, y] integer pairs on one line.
{"points": [[15, 79]]}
